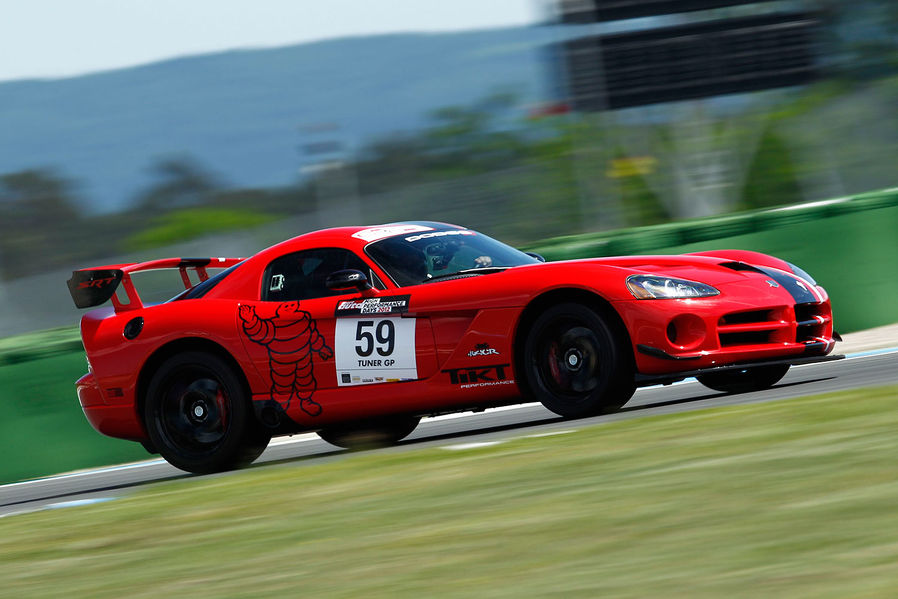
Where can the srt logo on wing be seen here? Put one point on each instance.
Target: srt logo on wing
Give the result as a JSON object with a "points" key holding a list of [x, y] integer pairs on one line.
{"points": [[484, 374], [96, 283]]}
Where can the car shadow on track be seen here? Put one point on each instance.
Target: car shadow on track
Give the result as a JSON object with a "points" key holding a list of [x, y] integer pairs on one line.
{"points": [[718, 395]]}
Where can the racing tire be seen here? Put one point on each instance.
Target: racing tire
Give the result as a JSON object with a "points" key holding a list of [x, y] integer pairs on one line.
{"points": [[745, 380], [575, 365], [371, 433], [198, 416]]}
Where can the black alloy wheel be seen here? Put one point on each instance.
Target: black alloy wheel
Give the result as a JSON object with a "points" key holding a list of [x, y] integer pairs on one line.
{"points": [[575, 365], [198, 417]]}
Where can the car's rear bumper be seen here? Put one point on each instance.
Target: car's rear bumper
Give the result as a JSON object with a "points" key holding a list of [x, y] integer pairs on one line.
{"points": [[116, 420]]}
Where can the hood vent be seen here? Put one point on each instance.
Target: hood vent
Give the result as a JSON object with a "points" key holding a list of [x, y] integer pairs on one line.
{"points": [[741, 266]]}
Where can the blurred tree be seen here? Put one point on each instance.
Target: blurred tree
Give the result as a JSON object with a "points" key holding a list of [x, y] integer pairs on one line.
{"points": [[178, 226], [772, 179], [384, 162], [476, 138], [39, 222], [482, 165], [180, 183]]}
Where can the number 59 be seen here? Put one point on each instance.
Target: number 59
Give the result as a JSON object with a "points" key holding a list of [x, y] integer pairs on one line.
{"points": [[383, 337]]}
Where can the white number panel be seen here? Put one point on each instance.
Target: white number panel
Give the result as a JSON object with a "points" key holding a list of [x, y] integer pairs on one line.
{"points": [[375, 350]]}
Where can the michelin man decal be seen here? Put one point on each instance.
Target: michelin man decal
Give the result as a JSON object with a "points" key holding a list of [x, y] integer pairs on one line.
{"points": [[290, 338]]}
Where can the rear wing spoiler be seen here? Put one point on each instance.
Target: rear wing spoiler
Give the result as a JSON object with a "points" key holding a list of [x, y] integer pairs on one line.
{"points": [[93, 286]]}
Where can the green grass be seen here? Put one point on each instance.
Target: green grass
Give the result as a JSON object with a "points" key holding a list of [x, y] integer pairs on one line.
{"points": [[786, 499], [191, 223]]}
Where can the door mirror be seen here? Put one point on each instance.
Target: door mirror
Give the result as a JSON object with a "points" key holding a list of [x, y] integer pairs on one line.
{"points": [[535, 255], [347, 279]]}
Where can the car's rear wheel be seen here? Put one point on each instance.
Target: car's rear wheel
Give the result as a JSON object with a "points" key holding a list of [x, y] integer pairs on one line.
{"points": [[575, 365], [198, 416], [744, 380], [371, 433]]}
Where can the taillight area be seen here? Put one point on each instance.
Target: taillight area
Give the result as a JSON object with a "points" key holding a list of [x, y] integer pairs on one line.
{"points": [[88, 391]]}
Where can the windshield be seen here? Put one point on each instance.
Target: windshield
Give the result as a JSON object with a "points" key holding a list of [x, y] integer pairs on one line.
{"points": [[443, 253]]}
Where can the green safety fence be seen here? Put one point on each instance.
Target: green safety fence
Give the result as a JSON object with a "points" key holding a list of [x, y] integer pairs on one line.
{"points": [[849, 245], [42, 344], [642, 239]]}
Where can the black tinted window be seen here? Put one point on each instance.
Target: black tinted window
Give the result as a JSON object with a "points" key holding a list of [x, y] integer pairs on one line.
{"points": [[302, 275]]}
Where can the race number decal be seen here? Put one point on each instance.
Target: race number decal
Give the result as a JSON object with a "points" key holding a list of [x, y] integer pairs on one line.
{"points": [[375, 350]]}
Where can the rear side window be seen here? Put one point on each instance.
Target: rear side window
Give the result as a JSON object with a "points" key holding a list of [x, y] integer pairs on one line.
{"points": [[201, 289], [302, 275]]}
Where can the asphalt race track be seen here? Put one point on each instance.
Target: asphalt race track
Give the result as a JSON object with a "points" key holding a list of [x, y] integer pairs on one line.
{"points": [[459, 430]]}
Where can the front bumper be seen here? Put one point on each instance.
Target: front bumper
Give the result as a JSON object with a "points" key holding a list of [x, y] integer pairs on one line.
{"points": [[739, 326]]}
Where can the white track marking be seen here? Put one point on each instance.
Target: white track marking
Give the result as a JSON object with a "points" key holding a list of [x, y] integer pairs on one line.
{"points": [[549, 434], [82, 473], [78, 503], [475, 445], [455, 415], [303, 438]]}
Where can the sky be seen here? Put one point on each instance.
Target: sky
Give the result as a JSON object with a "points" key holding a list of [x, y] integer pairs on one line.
{"points": [[62, 38]]}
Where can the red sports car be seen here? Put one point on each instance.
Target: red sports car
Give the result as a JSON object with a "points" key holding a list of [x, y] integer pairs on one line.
{"points": [[358, 332]]}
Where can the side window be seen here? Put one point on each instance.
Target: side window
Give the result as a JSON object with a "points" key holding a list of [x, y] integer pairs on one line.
{"points": [[301, 275]]}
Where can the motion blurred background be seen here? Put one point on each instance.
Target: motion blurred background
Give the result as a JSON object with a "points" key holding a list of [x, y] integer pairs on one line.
{"points": [[153, 128], [527, 120]]}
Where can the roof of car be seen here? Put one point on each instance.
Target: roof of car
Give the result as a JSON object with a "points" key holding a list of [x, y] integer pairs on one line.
{"points": [[356, 237]]}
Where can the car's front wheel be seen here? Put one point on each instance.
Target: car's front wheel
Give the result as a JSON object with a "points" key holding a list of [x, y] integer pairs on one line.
{"points": [[744, 380], [198, 416], [575, 365], [371, 433]]}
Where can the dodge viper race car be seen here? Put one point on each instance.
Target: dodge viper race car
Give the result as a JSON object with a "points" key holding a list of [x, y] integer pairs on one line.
{"points": [[358, 332]]}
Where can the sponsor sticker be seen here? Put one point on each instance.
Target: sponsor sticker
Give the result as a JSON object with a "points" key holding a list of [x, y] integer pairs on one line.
{"points": [[377, 233], [392, 304], [483, 349], [479, 376], [440, 234], [290, 339], [375, 350]]}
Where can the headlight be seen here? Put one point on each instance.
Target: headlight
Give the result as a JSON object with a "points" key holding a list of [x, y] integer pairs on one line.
{"points": [[801, 273], [655, 287]]}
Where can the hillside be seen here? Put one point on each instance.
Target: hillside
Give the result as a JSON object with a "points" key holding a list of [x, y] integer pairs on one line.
{"points": [[241, 114]]}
